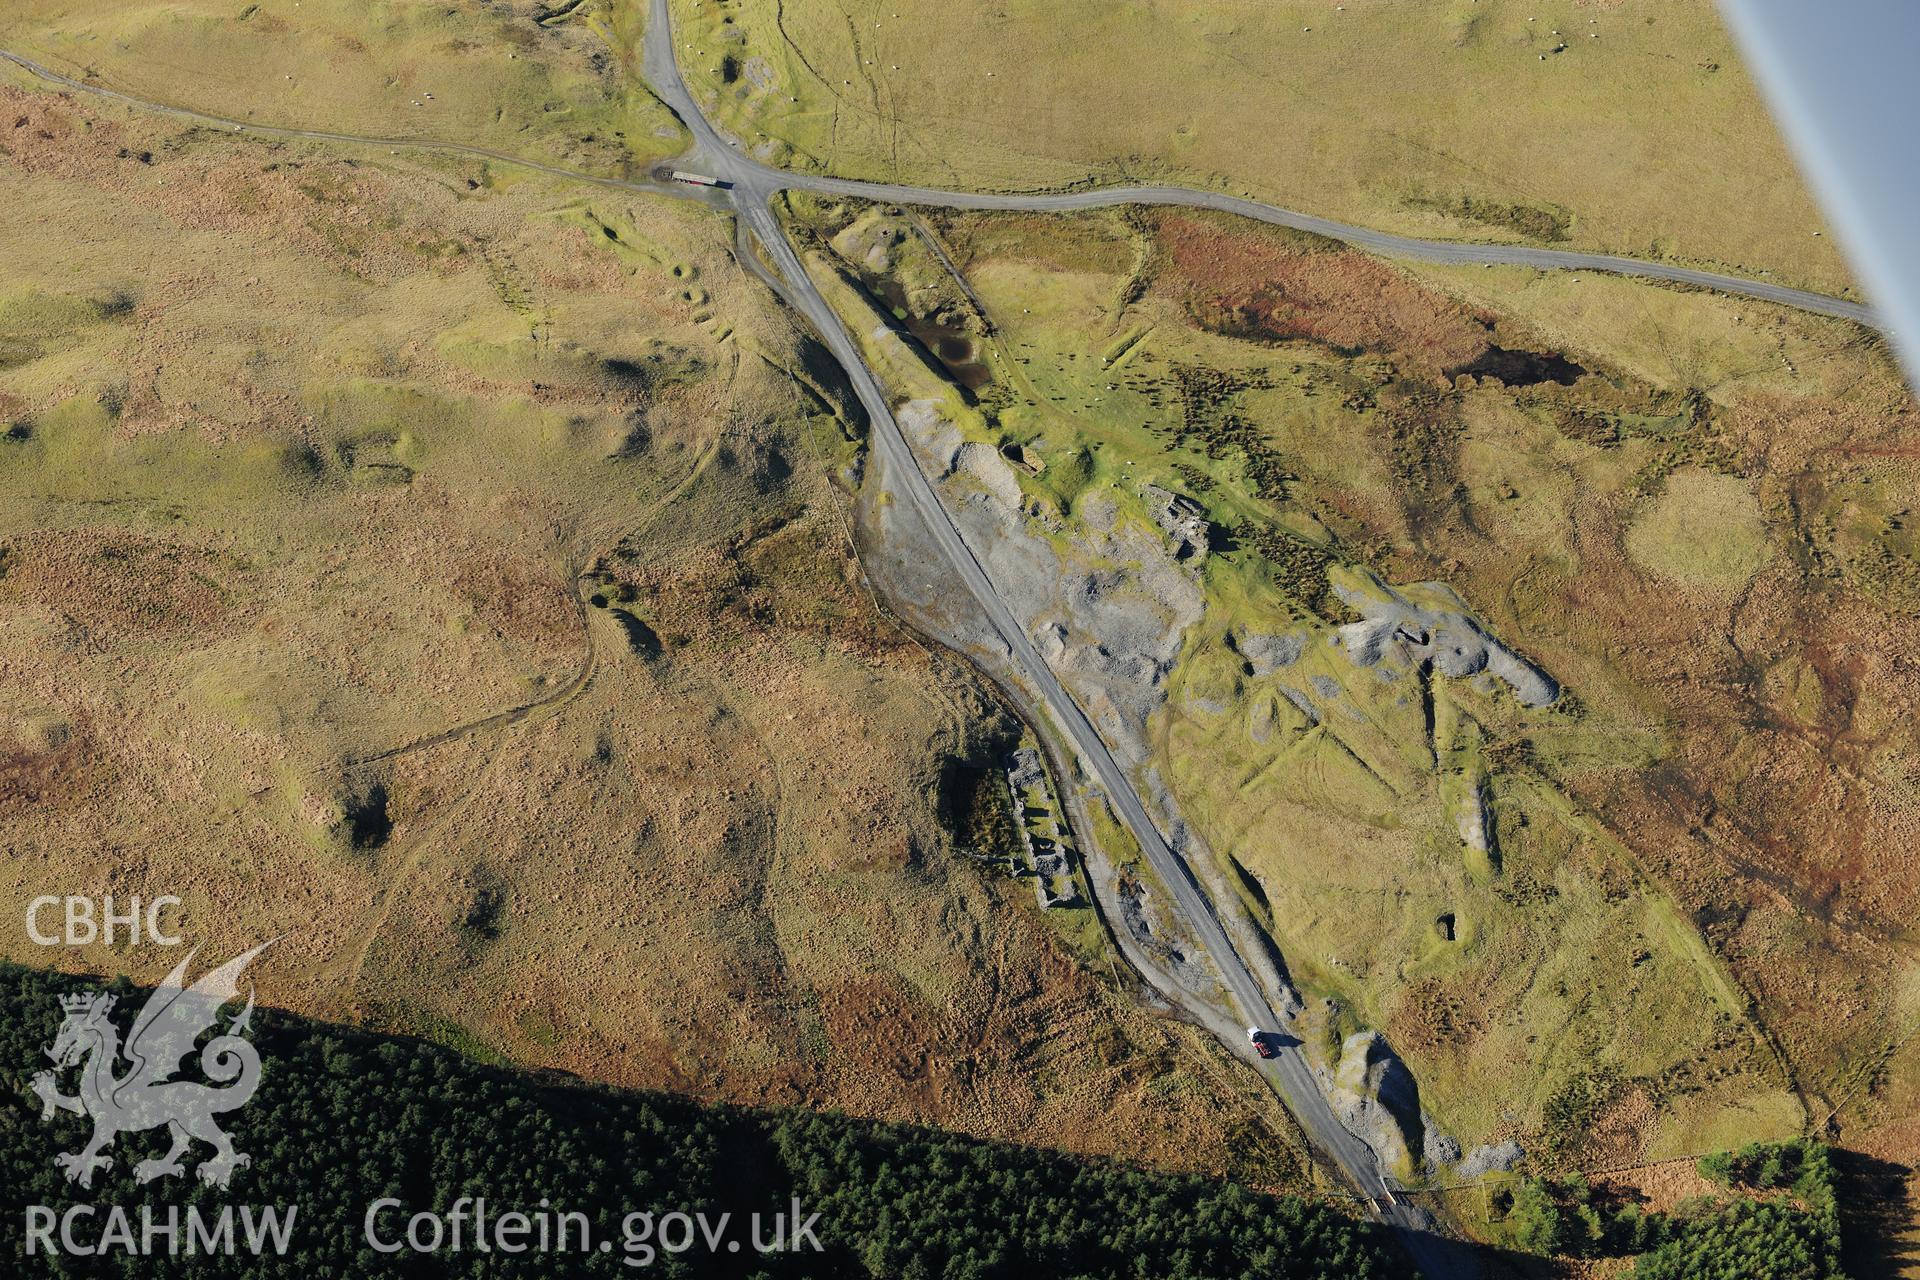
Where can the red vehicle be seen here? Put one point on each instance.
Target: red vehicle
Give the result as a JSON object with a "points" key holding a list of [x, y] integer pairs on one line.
{"points": [[1262, 1043]]}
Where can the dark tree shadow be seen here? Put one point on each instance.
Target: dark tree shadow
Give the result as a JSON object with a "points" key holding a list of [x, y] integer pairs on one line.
{"points": [[1878, 1234]]}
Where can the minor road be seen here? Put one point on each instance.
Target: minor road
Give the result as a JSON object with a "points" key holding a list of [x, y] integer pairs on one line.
{"points": [[1381, 242], [753, 188]]}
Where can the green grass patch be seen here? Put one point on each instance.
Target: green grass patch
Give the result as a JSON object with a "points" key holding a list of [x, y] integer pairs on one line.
{"points": [[1703, 530]]}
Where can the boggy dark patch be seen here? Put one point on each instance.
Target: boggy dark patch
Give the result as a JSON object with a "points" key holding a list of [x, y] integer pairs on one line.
{"points": [[1521, 368], [368, 823]]}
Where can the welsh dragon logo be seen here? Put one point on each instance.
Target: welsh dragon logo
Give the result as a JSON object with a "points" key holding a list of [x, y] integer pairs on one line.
{"points": [[145, 1095]]}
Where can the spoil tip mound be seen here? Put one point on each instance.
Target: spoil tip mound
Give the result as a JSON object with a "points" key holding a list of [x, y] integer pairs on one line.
{"points": [[1428, 624]]}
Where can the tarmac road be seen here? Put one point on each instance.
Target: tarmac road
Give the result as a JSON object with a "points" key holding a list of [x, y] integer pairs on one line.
{"points": [[750, 175], [753, 187], [768, 180], [1380, 242]]}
